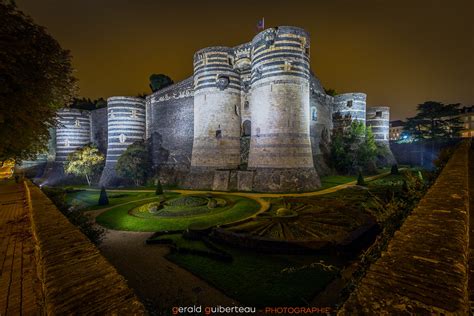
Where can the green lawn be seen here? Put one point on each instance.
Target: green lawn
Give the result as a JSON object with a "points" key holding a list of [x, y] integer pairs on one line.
{"points": [[332, 181], [255, 279], [119, 218], [89, 199]]}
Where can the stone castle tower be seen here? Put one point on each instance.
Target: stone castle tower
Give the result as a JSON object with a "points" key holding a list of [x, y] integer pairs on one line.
{"points": [[251, 118]]}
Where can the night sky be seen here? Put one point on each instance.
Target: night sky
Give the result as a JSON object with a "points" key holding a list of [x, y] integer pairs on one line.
{"points": [[400, 53]]}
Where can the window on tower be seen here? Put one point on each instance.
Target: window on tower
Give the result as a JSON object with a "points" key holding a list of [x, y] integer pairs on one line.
{"points": [[314, 116]]}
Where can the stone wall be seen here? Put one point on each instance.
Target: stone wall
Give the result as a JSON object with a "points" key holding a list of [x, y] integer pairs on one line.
{"points": [[420, 153], [75, 277], [280, 145], [320, 127], [378, 118], [99, 129], [170, 128], [73, 132], [424, 270], [126, 125], [216, 109], [351, 104]]}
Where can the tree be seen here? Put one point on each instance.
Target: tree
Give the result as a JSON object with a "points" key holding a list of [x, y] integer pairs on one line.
{"points": [[88, 104], [135, 163], [353, 148], [35, 81], [331, 92], [159, 81], [86, 161], [434, 120], [103, 198]]}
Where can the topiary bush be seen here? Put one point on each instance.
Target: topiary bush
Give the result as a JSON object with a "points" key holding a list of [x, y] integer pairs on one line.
{"points": [[159, 188], [360, 179], [394, 169], [103, 199], [212, 203]]}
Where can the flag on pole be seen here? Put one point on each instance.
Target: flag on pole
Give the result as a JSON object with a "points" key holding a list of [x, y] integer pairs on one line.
{"points": [[261, 25]]}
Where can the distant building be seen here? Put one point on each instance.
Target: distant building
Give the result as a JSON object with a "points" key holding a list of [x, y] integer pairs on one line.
{"points": [[396, 129], [467, 119]]}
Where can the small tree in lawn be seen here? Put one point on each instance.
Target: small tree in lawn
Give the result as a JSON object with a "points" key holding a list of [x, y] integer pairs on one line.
{"points": [[86, 161], [103, 198], [135, 163], [159, 188]]}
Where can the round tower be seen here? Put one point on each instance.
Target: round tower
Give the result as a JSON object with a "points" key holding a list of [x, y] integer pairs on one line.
{"points": [[378, 118], [73, 132], [351, 104], [216, 143], [126, 125], [280, 146]]}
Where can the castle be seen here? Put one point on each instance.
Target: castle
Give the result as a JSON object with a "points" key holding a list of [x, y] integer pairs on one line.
{"points": [[250, 119]]}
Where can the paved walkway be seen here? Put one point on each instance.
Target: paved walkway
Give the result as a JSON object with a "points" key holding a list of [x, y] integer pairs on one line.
{"points": [[19, 288]]}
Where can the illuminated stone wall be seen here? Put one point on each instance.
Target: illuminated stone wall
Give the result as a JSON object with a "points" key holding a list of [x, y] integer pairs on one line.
{"points": [[216, 109], [170, 124], [126, 125], [99, 129], [352, 104], [73, 132], [279, 103], [255, 108], [378, 118]]}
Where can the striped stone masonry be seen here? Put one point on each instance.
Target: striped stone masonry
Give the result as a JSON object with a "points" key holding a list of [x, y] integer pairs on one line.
{"points": [[216, 109], [255, 106], [353, 104], [279, 100], [73, 132], [126, 125], [378, 118]]}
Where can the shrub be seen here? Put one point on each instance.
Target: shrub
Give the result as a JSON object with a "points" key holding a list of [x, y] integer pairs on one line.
{"points": [[212, 203], [103, 199], [360, 179], [443, 157], [159, 188]]}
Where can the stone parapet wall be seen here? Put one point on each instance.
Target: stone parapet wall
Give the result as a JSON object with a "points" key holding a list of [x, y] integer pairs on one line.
{"points": [[424, 270], [75, 277]]}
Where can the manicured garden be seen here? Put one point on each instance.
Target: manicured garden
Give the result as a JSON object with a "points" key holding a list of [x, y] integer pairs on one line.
{"points": [[129, 216], [266, 279]]}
